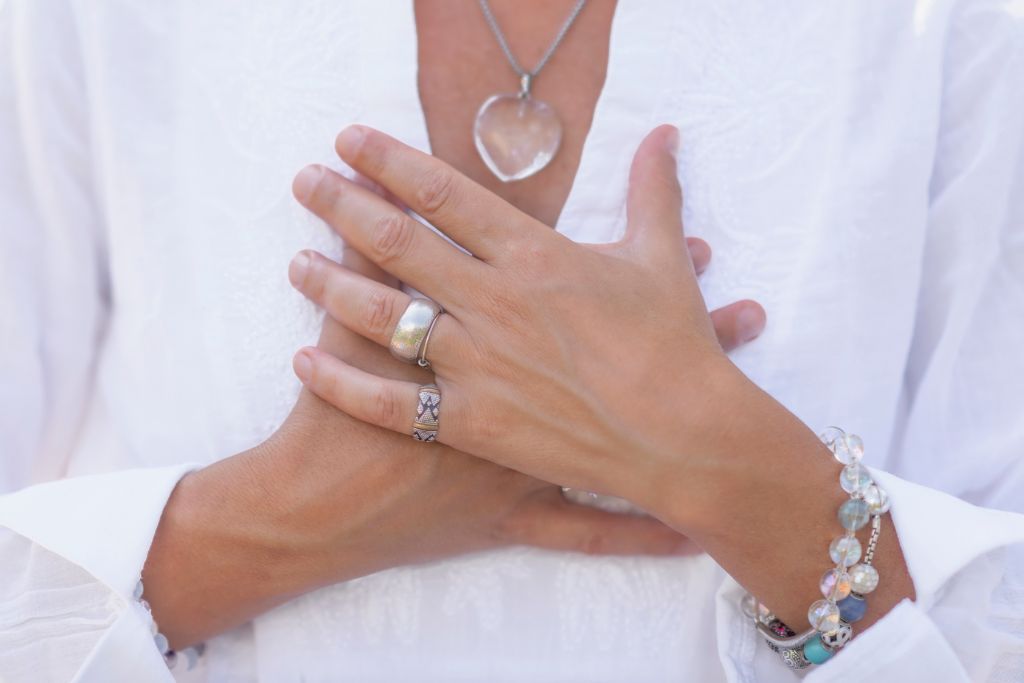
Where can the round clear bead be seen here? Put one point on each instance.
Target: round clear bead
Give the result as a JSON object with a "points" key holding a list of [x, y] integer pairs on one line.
{"points": [[848, 449], [854, 514], [824, 616], [863, 578], [877, 499], [835, 584], [749, 606], [161, 643], [845, 550], [831, 435], [854, 447], [854, 479], [755, 610]]}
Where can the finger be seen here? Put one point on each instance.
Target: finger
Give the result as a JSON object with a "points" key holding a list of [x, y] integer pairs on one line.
{"points": [[376, 188], [387, 403], [387, 236], [357, 263], [654, 203], [556, 524], [366, 307], [474, 217], [738, 323], [700, 253]]}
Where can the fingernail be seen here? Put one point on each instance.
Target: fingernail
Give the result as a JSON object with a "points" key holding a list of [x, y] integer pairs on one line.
{"points": [[672, 141], [306, 181], [749, 324], [303, 366], [349, 140], [298, 268]]}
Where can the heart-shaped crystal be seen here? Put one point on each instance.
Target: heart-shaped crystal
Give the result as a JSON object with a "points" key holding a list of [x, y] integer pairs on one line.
{"points": [[516, 136]]}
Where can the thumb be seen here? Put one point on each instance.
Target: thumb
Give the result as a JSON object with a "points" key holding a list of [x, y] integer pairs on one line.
{"points": [[654, 204]]}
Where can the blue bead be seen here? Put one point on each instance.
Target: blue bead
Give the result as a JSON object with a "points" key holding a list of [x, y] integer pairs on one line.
{"points": [[816, 652], [852, 608]]}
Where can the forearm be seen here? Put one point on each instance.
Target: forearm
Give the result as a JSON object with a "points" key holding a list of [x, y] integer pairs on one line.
{"points": [[252, 531], [764, 506], [216, 560]]}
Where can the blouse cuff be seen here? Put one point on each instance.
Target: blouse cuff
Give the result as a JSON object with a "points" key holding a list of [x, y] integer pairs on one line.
{"points": [[906, 634], [940, 536], [103, 523]]}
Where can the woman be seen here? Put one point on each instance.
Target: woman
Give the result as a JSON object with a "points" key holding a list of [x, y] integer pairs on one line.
{"points": [[856, 167]]}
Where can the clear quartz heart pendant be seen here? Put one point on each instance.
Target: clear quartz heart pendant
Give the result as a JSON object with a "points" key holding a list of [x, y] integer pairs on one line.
{"points": [[516, 135]]}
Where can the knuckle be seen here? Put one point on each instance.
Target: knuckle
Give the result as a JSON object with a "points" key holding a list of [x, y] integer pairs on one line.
{"points": [[529, 255], [392, 237], [436, 192], [385, 406], [378, 313], [503, 309]]}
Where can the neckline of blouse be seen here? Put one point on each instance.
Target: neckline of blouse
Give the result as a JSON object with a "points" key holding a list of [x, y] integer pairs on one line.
{"points": [[633, 98]]}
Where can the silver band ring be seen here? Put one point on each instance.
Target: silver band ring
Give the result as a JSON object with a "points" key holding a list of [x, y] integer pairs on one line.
{"points": [[421, 360], [428, 412], [412, 329]]}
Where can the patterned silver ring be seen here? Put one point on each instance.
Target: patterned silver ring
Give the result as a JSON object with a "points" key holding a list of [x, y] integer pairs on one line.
{"points": [[428, 412], [412, 329]]}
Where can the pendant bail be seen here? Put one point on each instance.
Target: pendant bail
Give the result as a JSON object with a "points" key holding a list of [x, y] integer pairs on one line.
{"points": [[525, 81]]}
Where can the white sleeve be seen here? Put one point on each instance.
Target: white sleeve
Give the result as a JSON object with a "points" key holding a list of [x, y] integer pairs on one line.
{"points": [[965, 421], [70, 550], [52, 300]]}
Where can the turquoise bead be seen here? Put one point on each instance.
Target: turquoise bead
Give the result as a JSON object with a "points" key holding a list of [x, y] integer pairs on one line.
{"points": [[852, 608], [816, 652]]}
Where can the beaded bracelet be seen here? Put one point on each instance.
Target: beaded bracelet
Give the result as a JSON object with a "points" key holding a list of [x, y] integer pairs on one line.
{"points": [[845, 585], [171, 657]]}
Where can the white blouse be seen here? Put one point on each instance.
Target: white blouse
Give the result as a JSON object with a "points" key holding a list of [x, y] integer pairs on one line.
{"points": [[858, 168]]}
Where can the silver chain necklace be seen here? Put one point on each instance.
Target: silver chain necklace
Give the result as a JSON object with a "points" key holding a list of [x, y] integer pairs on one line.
{"points": [[517, 135]]}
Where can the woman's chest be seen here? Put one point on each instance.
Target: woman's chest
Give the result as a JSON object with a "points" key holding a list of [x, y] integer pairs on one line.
{"points": [[807, 139]]}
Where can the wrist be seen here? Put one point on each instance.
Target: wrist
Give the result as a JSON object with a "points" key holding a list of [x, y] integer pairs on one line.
{"points": [[738, 445], [216, 561]]}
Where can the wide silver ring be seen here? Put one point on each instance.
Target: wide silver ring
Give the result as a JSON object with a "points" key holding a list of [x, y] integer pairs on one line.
{"points": [[412, 329], [428, 413]]}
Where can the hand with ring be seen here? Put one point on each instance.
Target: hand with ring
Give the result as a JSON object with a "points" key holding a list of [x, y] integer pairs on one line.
{"points": [[593, 366], [585, 365]]}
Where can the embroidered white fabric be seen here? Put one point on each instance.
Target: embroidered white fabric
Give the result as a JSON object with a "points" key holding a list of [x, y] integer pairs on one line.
{"points": [[858, 168]]}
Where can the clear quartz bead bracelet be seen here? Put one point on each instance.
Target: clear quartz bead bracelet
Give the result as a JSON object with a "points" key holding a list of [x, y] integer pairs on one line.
{"points": [[851, 578]]}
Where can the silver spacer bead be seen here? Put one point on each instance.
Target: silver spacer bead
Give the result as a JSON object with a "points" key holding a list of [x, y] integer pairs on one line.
{"points": [[795, 659]]}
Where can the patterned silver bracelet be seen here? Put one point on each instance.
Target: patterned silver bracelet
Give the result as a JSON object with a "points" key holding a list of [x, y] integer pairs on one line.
{"points": [[190, 655]]}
